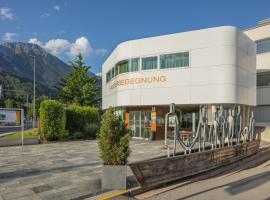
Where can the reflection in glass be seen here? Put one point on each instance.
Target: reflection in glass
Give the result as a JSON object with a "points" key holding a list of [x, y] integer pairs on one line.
{"points": [[174, 60], [149, 63], [263, 46]]}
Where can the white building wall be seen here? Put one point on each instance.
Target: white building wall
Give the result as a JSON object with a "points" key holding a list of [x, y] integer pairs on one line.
{"points": [[222, 70]]}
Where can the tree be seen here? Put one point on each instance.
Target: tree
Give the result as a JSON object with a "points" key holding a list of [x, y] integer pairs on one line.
{"points": [[113, 139], [9, 103], [78, 87]]}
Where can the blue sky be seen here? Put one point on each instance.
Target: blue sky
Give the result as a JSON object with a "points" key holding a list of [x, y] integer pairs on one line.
{"points": [[95, 27]]}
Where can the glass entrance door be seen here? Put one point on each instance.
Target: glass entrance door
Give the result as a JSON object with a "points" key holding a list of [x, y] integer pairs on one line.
{"points": [[134, 122], [139, 122]]}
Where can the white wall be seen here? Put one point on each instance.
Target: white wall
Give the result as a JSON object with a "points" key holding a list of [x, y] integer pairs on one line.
{"points": [[222, 70]]}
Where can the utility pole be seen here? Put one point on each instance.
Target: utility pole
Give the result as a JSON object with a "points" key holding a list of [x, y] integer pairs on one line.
{"points": [[0, 91], [34, 99]]}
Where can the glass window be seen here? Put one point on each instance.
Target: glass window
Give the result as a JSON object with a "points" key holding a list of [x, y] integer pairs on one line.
{"points": [[134, 64], [263, 46], [116, 70], [108, 76], [123, 66], [174, 60], [149, 63], [113, 74]]}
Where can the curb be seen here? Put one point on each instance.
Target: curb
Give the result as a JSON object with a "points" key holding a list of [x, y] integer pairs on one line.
{"points": [[109, 195]]}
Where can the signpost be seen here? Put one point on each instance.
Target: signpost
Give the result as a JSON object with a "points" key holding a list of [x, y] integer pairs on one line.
{"points": [[12, 117]]}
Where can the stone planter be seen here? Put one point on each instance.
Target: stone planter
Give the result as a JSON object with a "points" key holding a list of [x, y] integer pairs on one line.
{"points": [[114, 177]]}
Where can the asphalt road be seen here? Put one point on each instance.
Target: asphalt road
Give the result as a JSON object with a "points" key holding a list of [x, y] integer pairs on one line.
{"points": [[3, 130], [9, 129]]}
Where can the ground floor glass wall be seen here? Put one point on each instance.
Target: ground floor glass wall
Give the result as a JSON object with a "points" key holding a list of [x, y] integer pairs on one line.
{"points": [[140, 123]]}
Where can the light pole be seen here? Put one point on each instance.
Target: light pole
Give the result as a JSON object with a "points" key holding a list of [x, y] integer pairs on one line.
{"points": [[34, 99]]}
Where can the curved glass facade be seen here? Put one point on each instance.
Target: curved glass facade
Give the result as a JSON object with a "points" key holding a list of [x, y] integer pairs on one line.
{"points": [[174, 60]]}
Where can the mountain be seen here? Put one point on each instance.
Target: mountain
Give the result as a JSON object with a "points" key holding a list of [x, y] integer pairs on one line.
{"points": [[16, 58], [14, 85]]}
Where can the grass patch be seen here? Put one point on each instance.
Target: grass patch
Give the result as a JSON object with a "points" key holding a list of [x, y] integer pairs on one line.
{"points": [[29, 134]]}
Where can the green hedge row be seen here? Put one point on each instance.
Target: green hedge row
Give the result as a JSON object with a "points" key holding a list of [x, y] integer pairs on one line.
{"points": [[74, 122], [82, 121]]}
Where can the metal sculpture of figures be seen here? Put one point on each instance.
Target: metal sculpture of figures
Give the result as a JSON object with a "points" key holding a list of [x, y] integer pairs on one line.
{"points": [[225, 129], [238, 125], [230, 121], [251, 127]]}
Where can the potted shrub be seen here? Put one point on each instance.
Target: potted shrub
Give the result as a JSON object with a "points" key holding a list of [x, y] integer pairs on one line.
{"points": [[114, 150]]}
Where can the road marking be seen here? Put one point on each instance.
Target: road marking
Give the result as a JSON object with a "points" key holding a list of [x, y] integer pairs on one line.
{"points": [[5, 134], [113, 195]]}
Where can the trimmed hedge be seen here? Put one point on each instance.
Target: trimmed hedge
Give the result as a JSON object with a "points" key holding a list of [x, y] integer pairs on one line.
{"points": [[52, 120], [82, 121]]}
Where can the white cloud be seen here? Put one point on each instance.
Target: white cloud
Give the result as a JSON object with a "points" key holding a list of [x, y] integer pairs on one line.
{"points": [[44, 15], [35, 41], [8, 36], [61, 46], [82, 46], [101, 52], [5, 13], [56, 7], [99, 74], [57, 46]]}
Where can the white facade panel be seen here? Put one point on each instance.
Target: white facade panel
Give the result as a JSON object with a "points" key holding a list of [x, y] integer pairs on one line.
{"points": [[221, 67]]}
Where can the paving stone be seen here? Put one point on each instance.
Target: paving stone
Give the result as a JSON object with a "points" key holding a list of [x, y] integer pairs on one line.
{"points": [[16, 194], [29, 197], [50, 196], [42, 188], [69, 168]]}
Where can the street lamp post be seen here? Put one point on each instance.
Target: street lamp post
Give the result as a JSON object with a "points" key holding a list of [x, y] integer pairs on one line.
{"points": [[34, 99]]}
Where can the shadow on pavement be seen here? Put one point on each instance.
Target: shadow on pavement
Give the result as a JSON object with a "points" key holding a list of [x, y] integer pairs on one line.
{"points": [[7, 176], [239, 186]]}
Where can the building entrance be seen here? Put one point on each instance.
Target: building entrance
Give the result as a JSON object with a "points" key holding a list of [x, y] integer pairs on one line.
{"points": [[140, 123]]}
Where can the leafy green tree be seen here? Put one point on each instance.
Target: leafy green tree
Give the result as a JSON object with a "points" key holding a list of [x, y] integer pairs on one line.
{"points": [[9, 103], [78, 87]]}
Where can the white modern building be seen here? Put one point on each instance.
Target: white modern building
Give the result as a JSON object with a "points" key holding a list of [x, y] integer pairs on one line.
{"points": [[213, 67], [261, 36]]}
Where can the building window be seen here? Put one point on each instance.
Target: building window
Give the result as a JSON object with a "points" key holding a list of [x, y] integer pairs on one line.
{"points": [[149, 63], [122, 66], [116, 70], [263, 46], [174, 60], [134, 64], [108, 76], [113, 74]]}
